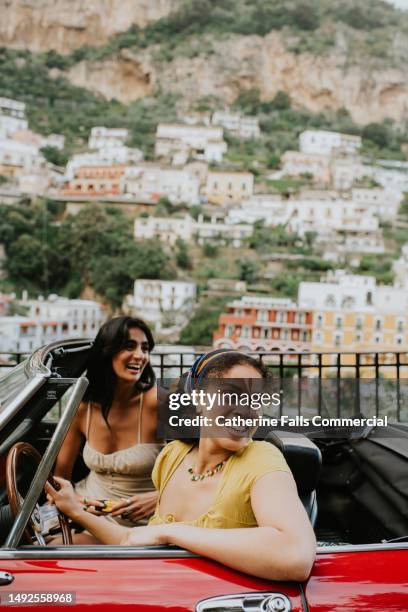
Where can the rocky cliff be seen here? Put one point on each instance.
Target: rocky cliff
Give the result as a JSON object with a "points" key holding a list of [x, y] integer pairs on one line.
{"points": [[371, 88], [243, 62], [64, 25]]}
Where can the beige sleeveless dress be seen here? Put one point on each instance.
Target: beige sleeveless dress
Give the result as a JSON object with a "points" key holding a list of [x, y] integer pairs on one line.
{"points": [[121, 474]]}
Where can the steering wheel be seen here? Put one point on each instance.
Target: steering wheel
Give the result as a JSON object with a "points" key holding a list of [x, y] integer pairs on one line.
{"points": [[17, 453]]}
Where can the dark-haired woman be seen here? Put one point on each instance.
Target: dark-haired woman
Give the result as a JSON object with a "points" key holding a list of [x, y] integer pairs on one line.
{"points": [[240, 487], [116, 423]]}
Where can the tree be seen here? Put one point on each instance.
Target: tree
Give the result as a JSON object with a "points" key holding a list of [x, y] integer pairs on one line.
{"points": [[281, 101], [183, 259], [55, 156], [199, 330], [247, 270], [249, 101], [273, 161], [377, 133], [210, 250], [305, 16]]}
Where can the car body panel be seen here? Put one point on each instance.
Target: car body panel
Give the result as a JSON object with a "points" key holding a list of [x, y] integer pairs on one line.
{"points": [[175, 584], [372, 581]]}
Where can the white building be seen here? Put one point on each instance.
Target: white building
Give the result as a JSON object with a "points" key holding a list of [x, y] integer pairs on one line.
{"points": [[216, 231], [352, 227], [166, 304], [337, 291], [184, 141], [400, 268], [271, 209], [57, 141], [19, 334], [105, 138], [297, 164], [154, 182], [73, 318], [12, 117], [346, 170], [242, 126], [166, 229], [49, 321], [391, 178], [324, 142], [17, 158], [384, 203], [211, 229]]}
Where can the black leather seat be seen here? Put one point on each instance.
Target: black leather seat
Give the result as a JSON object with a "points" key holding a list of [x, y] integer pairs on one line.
{"points": [[305, 460]]}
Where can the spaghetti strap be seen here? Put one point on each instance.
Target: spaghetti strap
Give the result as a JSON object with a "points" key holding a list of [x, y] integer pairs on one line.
{"points": [[139, 436], [88, 420]]}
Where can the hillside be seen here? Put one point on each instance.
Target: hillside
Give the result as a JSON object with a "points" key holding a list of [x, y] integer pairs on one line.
{"points": [[326, 54]]}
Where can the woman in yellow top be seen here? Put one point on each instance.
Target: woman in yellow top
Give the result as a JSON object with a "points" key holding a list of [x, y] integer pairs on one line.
{"points": [[231, 483]]}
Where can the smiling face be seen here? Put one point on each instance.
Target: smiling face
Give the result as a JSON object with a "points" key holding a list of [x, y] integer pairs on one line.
{"points": [[236, 436], [129, 363]]}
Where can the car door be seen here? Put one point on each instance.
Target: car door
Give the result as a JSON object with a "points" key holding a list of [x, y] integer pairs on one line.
{"points": [[113, 578], [369, 578]]}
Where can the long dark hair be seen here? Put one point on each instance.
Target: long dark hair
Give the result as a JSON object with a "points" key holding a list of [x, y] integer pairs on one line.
{"points": [[110, 340]]}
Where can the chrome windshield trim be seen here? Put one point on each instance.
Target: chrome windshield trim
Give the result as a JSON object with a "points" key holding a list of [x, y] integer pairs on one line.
{"points": [[322, 550], [38, 362], [153, 552], [48, 460], [96, 552], [13, 406]]}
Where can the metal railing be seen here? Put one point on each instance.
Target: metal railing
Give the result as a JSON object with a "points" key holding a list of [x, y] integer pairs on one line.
{"points": [[335, 383]]}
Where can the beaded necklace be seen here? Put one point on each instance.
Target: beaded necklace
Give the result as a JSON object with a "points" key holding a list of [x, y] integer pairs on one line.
{"points": [[207, 473]]}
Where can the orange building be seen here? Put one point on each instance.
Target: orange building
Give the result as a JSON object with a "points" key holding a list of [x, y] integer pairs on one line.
{"points": [[264, 324], [95, 181]]}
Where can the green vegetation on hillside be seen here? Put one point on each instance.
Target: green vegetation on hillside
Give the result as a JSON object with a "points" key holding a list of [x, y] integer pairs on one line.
{"points": [[94, 248], [199, 330], [55, 105]]}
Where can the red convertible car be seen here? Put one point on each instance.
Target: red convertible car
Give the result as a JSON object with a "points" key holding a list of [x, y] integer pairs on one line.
{"points": [[355, 490]]}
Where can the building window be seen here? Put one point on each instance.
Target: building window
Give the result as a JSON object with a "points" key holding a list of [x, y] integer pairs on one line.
{"points": [[262, 315], [246, 331], [337, 339], [318, 337], [339, 322], [359, 337], [400, 325], [359, 323], [378, 324], [300, 317], [281, 317], [319, 321]]}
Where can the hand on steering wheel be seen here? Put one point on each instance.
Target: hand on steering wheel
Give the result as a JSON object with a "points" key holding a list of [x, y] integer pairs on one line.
{"points": [[19, 451]]}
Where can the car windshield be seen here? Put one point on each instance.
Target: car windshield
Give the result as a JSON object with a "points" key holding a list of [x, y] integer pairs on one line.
{"points": [[11, 383]]}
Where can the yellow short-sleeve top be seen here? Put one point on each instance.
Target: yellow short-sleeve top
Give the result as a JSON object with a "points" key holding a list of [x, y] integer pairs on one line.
{"points": [[232, 504]]}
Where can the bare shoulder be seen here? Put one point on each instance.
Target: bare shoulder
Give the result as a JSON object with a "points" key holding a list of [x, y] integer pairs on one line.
{"points": [[80, 419]]}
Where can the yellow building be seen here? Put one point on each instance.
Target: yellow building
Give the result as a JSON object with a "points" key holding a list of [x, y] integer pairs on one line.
{"points": [[225, 187], [352, 314]]}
